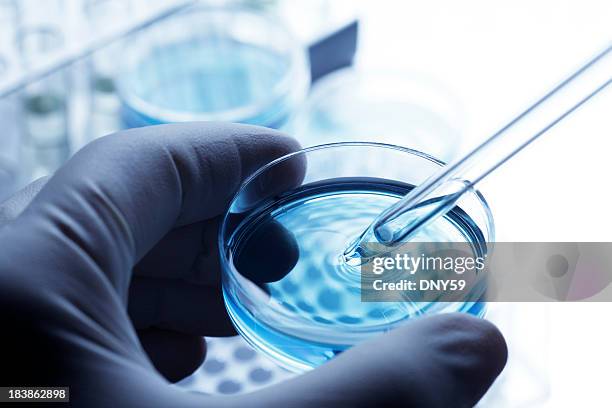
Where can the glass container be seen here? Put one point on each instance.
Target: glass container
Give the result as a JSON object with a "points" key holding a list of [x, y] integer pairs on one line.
{"points": [[213, 64], [286, 286]]}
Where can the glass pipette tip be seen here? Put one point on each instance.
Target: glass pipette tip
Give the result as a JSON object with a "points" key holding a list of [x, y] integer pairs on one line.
{"points": [[440, 193]]}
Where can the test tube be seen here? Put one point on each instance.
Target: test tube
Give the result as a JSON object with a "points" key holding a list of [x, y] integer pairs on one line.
{"points": [[44, 102], [103, 16], [10, 172], [8, 22], [9, 139]]}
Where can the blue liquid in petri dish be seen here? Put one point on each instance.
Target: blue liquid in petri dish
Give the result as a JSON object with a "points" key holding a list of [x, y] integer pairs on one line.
{"points": [[313, 285], [206, 77]]}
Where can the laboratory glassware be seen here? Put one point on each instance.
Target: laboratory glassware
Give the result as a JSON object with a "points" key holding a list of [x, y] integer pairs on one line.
{"points": [[401, 108], [80, 46], [213, 64], [9, 142], [102, 17], [285, 285], [44, 102], [441, 191]]}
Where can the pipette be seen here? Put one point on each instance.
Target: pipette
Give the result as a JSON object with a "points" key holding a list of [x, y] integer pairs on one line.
{"points": [[440, 192]]}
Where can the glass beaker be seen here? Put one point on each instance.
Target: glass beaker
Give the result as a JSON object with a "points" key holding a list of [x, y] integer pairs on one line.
{"points": [[213, 64], [286, 287], [400, 108]]}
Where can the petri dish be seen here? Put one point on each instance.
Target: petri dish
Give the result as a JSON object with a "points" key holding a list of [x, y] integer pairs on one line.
{"points": [[213, 64], [405, 109], [286, 289]]}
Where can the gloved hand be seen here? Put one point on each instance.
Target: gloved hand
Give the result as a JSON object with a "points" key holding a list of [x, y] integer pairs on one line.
{"points": [[130, 222]]}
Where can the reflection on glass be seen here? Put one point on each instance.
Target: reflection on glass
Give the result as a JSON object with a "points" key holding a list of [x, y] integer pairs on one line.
{"points": [[286, 286], [44, 104], [213, 64]]}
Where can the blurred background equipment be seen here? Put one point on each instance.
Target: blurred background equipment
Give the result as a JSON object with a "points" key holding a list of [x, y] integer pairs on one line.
{"points": [[400, 108], [228, 65], [434, 76], [75, 70]]}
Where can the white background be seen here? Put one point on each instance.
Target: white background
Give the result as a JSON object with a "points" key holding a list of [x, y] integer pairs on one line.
{"points": [[498, 57]]}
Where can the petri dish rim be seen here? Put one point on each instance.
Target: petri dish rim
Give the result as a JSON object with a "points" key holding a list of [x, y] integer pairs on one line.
{"points": [[322, 331], [298, 68]]}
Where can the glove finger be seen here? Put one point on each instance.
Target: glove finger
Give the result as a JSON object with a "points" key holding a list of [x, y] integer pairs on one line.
{"points": [[191, 253], [94, 219], [190, 301], [433, 362], [177, 254], [440, 361], [174, 355], [147, 181], [179, 306]]}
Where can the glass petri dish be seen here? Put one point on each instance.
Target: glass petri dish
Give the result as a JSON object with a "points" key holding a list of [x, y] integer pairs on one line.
{"points": [[285, 287], [399, 108], [213, 64]]}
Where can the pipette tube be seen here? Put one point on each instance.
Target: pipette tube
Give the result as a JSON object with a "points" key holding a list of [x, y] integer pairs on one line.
{"points": [[440, 192]]}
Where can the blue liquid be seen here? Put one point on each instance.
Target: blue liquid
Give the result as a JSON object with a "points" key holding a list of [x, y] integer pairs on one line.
{"points": [[208, 76], [293, 250]]}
